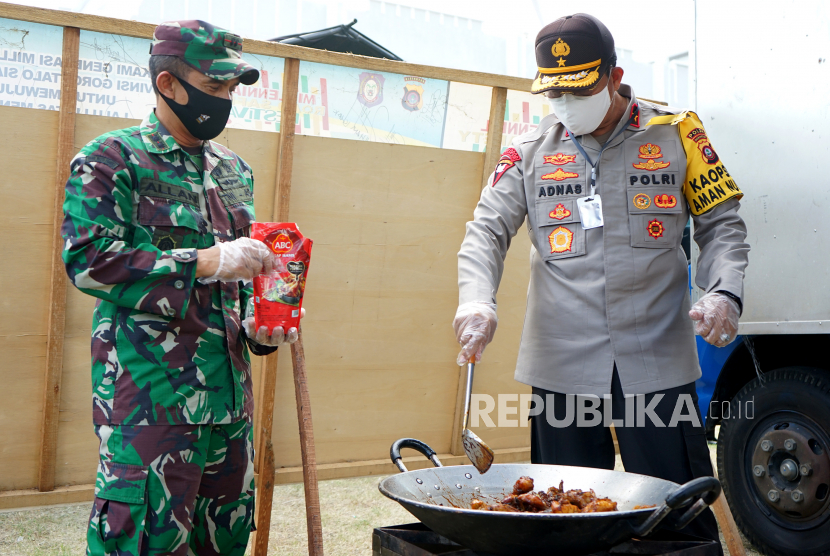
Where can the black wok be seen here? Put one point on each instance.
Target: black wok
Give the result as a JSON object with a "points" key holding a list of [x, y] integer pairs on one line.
{"points": [[440, 497]]}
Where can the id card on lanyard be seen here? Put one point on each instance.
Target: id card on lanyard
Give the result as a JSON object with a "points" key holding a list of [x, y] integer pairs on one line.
{"points": [[590, 207]]}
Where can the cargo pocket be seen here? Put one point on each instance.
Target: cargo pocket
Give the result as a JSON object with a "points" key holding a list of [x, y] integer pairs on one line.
{"points": [[559, 232], [655, 217], [171, 225], [116, 525]]}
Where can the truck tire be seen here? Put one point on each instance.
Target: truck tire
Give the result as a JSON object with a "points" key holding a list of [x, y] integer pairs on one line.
{"points": [[774, 461]]}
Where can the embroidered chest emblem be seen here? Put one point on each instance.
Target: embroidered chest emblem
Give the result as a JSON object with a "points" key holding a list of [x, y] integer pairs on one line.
{"points": [[559, 159], [561, 239], [665, 201], [650, 153], [559, 212], [642, 201], [655, 229], [560, 175]]}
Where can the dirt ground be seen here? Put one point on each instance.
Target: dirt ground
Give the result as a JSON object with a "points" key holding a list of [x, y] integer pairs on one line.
{"points": [[351, 508]]}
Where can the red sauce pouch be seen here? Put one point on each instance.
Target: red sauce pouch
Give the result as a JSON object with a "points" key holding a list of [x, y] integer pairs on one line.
{"points": [[278, 296]]}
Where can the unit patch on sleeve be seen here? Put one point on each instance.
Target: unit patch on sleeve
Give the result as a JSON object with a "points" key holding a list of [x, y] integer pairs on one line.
{"points": [[655, 229], [559, 212], [642, 201], [708, 183], [650, 152], [665, 201], [559, 159], [508, 159], [561, 239], [560, 175]]}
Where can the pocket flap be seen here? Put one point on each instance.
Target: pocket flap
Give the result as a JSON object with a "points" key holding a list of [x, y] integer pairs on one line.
{"points": [[158, 211], [556, 211], [655, 201], [121, 482]]}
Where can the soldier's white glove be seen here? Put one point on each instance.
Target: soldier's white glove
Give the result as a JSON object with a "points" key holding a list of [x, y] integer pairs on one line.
{"points": [[716, 318], [278, 336], [474, 324], [241, 260]]}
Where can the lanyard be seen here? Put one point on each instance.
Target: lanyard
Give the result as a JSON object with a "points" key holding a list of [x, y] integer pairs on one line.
{"points": [[594, 164]]}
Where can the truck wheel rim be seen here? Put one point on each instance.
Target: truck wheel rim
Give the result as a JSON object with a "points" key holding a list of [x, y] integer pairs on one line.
{"points": [[788, 467]]}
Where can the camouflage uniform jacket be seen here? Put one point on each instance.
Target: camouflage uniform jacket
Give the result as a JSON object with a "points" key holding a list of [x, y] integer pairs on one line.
{"points": [[166, 349]]}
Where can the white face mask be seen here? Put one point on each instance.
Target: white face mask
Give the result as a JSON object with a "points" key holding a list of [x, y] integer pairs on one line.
{"points": [[581, 115]]}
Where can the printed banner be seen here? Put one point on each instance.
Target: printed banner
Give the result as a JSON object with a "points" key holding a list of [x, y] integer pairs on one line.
{"points": [[350, 103], [468, 116], [333, 101], [30, 64]]}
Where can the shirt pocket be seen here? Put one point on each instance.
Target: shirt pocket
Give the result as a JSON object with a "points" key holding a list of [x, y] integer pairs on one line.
{"points": [[170, 224], [655, 216], [559, 233]]}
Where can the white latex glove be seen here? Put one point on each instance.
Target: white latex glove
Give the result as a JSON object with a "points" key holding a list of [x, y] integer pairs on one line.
{"points": [[716, 318], [474, 324], [278, 336], [241, 260]]}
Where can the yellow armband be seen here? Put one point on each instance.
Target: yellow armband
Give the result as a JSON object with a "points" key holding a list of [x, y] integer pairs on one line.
{"points": [[707, 184]]}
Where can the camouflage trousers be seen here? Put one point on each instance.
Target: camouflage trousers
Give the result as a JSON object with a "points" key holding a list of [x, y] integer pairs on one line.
{"points": [[173, 490]]}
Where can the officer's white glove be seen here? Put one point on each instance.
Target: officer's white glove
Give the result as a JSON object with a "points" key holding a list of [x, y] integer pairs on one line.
{"points": [[278, 336], [474, 324], [716, 318], [241, 260]]}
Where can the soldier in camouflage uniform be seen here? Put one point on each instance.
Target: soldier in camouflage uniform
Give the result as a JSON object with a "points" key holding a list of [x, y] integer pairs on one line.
{"points": [[157, 219]]}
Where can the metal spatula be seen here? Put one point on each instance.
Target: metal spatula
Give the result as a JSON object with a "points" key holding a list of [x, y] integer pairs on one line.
{"points": [[479, 453]]}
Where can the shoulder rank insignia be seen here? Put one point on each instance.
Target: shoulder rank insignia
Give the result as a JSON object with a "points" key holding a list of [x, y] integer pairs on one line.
{"points": [[650, 152], [559, 159], [559, 212], [561, 239], [634, 116], [560, 175], [665, 201], [642, 201], [655, 229], [508, 159]]}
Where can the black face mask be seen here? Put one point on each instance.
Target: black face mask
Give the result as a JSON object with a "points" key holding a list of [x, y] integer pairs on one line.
{"points": [[204, 115]]}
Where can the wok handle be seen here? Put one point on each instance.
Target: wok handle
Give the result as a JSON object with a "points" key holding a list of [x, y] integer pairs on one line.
{"points": [[705, 489], [395, 452]]}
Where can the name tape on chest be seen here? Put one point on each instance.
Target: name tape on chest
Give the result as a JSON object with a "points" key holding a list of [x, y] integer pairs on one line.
{"points": [[707, 183], [150, 187]]}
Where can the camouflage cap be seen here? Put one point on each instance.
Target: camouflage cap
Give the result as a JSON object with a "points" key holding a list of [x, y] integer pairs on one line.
{"points": [[213, 51]]}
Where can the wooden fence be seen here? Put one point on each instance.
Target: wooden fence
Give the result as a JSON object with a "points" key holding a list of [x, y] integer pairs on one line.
{"points": [[387, 221]]}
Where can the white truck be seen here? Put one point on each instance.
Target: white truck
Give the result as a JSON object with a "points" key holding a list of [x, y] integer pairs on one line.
{"points": [[761, 84]]}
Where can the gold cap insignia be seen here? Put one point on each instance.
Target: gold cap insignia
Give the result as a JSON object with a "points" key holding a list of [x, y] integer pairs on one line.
{"points": [[560, 48]]}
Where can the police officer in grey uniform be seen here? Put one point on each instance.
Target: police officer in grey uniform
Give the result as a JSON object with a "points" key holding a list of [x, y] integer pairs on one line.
{"points": [[606, 185]]}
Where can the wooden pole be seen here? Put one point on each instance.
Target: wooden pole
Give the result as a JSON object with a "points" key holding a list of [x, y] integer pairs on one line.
{"points": [[728, 527], [495, 132], [309, 454], [57, 287], [265, 463]]}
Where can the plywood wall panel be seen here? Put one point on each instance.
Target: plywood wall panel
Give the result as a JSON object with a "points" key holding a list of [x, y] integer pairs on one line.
{"points": [[387, 221]]}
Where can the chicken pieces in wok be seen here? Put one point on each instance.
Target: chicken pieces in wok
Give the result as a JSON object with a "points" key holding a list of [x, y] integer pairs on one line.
{"points": [[554, 500]]}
